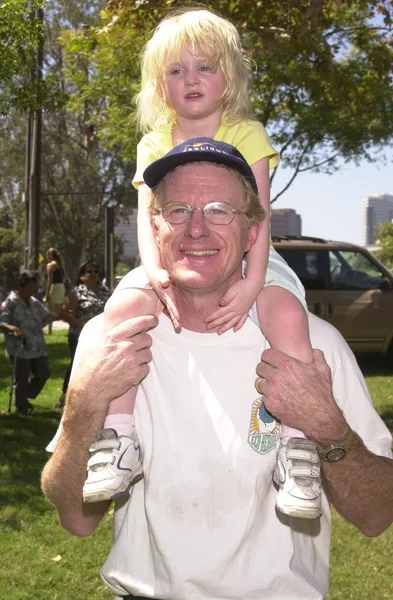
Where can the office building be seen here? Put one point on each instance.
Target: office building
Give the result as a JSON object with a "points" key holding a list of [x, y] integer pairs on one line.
{"points": [[285, 221], [377, 208], [127, 232]]}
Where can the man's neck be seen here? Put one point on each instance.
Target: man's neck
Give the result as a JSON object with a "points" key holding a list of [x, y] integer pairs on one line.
{"points": [[193, 310]]}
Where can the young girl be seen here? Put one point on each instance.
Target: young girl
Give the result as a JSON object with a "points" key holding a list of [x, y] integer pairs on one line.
{"points": [[55, 278], [195, 83]]}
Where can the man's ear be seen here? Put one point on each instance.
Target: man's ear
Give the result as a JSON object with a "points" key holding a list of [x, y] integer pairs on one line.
{"points": [[252, 233], [154, 226]]}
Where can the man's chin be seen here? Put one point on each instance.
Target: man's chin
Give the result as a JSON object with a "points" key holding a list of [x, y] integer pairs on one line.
{"points": [[194, 279]]}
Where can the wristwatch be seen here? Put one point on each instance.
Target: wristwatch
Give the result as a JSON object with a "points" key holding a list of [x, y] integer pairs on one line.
{"points": [[335, 452]]}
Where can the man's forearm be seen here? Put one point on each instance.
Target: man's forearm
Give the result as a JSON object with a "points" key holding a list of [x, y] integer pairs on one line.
{"points": [[65, 473], [361, 488]]}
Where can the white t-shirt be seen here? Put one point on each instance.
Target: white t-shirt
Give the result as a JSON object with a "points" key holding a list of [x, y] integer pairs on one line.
{"points": [[202, 524]]}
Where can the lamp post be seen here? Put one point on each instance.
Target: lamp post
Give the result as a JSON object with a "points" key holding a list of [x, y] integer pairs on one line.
{"points": [[33, 164], [109, 245]]}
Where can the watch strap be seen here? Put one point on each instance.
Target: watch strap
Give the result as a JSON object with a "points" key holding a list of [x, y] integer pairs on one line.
{"points": [[335, 452]]}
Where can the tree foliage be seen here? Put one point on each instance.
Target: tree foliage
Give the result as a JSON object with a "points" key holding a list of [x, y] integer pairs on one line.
{"points": [[321, 83], [80, 174], [21, 34], [385, 244]]}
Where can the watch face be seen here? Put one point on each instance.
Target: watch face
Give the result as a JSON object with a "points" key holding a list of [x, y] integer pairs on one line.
{"points": [[335, 454]]}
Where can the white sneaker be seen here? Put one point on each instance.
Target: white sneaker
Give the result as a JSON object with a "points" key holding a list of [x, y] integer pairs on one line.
{"points": [[114, 465], [298, 477]]}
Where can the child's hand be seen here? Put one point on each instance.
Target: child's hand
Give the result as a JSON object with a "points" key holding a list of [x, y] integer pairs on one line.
{"points": [[162, 286], [235, 306]]}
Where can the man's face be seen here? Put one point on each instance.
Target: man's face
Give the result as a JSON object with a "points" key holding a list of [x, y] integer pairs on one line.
{"points": [[29, 289], [201, 257]]}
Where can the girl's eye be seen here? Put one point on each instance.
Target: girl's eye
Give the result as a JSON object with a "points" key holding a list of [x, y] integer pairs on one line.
{"points": [[205, 69], [175, 71]]}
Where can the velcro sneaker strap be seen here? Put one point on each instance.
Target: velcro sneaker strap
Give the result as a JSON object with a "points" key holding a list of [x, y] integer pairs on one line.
{"points": [[105, 445], [311, 472], [100, 458], [307, 455]]}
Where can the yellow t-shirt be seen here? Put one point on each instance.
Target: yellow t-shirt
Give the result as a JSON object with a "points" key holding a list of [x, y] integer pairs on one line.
{"points": [[249, 137]]}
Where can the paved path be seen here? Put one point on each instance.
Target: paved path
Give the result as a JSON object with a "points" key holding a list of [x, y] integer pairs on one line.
{"points": [[59, 325]]}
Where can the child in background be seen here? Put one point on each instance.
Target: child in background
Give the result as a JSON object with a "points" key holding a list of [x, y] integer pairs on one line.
{"points": [[195, 83]]}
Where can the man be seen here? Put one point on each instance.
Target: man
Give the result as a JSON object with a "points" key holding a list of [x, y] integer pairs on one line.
{"points": [[202, 524], [22, 318]]}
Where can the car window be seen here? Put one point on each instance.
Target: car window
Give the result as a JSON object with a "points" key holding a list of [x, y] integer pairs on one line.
{"points": [[307, 265], [353, 270]]}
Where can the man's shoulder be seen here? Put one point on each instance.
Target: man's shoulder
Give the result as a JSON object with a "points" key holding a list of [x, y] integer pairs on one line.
{"points": [[327, 338], [92, 330]]}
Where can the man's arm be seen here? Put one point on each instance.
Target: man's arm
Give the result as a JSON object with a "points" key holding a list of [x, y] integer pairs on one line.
{"points": [[104, 369], [360, 485]]}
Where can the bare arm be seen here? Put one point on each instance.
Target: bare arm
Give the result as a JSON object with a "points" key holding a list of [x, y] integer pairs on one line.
{"points": [[12, 329], [258, 255], [150, 256], [108, 366], [301, 396], [50, 267], [149, 252], [240, 297]]}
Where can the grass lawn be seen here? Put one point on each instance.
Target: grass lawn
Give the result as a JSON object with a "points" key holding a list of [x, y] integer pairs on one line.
{"points": [[41, 561]]}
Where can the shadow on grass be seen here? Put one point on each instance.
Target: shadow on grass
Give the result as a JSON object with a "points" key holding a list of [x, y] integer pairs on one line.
{"points": [[386, 415], [374, 364], [22, 457]]}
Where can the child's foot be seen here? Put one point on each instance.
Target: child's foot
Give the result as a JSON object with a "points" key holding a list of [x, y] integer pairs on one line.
{"points": [[298, 478], [114, 465]]}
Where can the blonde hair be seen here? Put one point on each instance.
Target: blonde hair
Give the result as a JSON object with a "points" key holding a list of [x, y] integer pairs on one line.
{"points": [[253, 209], [205, 34]]}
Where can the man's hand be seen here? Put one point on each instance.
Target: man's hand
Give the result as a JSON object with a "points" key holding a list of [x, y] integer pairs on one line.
{"points": [[300, 395], [115, 362], [12, 330], [235, 305]]}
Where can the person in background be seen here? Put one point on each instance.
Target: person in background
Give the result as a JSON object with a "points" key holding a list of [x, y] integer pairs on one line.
{"points": [[55, 279], [22, 318], [86, 301]]}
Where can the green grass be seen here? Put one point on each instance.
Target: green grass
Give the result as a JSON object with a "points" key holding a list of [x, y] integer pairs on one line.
{"points": [[39, 560]]}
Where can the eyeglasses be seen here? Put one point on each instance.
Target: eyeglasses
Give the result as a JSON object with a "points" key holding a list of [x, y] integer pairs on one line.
{"points": [[216, 213], [92, 271]]}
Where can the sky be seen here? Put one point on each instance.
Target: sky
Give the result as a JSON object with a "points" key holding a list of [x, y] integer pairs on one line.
{"points": [[330, 205]]}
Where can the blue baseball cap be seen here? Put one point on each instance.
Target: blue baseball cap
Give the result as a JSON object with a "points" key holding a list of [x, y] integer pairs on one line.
{"points": [[202, 149]]}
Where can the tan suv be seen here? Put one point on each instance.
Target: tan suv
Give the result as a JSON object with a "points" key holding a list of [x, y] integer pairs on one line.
{"points": [[346, 285]]}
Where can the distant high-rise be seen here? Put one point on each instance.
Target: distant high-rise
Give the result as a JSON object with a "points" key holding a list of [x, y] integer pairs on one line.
{"points": [[285, 221], [377, 208], [127, 232]]}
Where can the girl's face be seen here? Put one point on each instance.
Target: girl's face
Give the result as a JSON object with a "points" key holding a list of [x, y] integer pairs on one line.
{"points": [[192, 88]]}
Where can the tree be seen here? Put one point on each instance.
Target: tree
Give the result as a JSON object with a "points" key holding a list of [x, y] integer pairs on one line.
{"points": [[10, 244], [322, 79], [385, 243], [21, 34], [79, 172]]}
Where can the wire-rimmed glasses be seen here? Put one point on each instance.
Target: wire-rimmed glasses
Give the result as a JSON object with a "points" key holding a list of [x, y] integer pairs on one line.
{"points": [[216, 213]]}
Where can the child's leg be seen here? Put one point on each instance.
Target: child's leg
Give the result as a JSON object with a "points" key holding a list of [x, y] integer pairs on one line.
{"points": [[120, 307], [118, 440], [284, 322]]}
